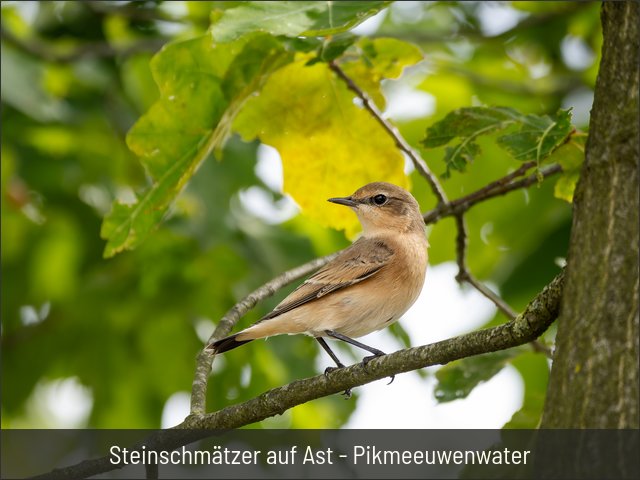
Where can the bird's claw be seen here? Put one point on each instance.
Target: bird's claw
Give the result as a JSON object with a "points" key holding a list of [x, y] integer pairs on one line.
{"points": [[366, 360], [328, 370]]}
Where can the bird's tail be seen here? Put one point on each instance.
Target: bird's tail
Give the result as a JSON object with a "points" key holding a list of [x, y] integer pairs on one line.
{"points": [[227, 343]]}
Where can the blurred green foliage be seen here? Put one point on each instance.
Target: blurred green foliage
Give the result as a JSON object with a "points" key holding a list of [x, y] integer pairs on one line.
{"points": [[76, 76]]}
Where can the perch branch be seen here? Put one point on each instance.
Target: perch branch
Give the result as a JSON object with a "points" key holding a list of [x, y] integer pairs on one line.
{"points": [[499, 187]]}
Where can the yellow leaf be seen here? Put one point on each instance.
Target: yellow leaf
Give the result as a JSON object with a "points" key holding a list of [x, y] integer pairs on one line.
{"points": [[329, 146]]}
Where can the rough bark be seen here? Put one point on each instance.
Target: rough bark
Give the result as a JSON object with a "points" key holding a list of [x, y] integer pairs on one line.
{"points": [[594, 379]]}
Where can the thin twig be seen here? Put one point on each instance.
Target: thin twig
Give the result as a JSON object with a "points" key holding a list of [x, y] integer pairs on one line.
{"points": [[464, 275], [418, 162], [490, 294], [524, 168], [499, 188], [461, 247], [229, 320]]}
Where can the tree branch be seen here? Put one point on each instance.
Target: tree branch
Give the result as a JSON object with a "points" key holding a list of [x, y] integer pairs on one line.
{"points": [[537, 317], [464, 275], [499, 187], [229, 320]]}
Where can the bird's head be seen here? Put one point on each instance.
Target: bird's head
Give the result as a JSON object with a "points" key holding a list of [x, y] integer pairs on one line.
{"points": [[384, 208]]}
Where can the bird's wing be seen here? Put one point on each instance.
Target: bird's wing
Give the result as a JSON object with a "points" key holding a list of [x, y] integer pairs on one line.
{"points": [[361, 261]]}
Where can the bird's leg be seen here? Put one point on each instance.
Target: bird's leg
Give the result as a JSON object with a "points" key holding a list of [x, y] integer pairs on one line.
{"points": [[344, 338], [328, 370], [365, 360], [331, 354]]}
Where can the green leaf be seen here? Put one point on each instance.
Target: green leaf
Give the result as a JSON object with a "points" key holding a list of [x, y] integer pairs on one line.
{"points": [[202, 88], [457, 379], [306, 19], [457, 157], [537, 136], [467, 124]]}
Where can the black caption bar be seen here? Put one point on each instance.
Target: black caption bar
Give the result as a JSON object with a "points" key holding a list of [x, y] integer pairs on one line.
{"points": [[266, 454]]}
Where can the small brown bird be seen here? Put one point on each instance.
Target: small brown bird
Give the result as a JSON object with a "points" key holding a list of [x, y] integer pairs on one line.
{"points": [[365, 288]]}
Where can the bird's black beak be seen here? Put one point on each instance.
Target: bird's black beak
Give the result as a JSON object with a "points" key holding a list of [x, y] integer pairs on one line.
{"points": [[348, 201]]}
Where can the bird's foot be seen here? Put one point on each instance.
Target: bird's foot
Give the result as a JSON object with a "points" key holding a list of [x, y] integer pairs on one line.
{"points": [[327, 372], [366, 360]]}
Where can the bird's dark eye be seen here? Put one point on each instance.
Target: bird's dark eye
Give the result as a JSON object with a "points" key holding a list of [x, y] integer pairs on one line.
{"points": [[380, 199]]}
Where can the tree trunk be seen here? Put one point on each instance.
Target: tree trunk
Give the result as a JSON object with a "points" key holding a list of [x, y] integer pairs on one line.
{"points": [[594, 378]]}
